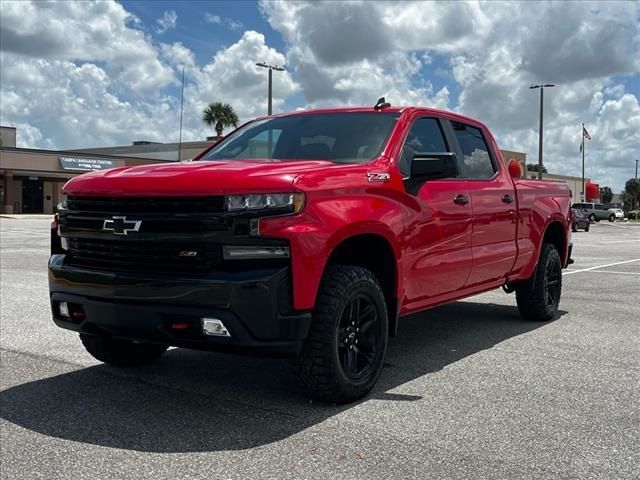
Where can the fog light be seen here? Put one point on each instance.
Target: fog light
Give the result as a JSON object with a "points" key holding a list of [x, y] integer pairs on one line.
{"points": [[215, 327], [64, 309], [250, 252]]}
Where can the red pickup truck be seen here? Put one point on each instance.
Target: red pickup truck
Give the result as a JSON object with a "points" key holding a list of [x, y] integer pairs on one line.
{"points": [[306, 235]]}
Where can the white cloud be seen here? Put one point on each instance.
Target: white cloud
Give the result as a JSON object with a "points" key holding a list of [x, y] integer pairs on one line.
{"points": [[167, 21], [84, 32], [225, 22]]}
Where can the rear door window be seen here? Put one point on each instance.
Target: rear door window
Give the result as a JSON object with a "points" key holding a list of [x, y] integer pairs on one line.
{"points": [[476, 159]]}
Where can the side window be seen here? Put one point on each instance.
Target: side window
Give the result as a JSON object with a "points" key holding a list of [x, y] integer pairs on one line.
{"points": [[476, 160], [425, 136]]}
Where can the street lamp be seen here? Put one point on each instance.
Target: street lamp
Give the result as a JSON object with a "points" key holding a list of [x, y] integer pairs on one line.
{"points": [[541, 87], [271, 68]]}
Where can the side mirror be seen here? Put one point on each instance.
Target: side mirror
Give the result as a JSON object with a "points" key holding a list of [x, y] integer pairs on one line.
{"points": [[429, 165], [514, 169]]}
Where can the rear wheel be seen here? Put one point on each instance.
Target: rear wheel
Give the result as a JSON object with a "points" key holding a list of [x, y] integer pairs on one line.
{"points": [[342, 357], [574, 227], [612, 218], [538, 299], [592, 218], [587, 227], [121, 353]]}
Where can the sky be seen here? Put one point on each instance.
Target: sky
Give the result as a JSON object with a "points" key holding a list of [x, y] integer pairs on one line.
{"points": [[89, 74]]}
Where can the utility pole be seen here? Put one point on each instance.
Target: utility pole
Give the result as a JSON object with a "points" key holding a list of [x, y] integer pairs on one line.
{"points": [[637, 168], [181, 107], [541, 87], [584, 194], [271, 68]]}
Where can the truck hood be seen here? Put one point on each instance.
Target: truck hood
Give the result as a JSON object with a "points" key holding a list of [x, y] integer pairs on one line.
{"points": [[195, 178]]}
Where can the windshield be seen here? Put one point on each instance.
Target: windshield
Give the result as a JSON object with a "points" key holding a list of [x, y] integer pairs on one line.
{"points": [[348, 137]]}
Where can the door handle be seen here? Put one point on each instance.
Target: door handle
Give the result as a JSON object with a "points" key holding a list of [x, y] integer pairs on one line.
{"points": [[507, 198], [461, 199]]}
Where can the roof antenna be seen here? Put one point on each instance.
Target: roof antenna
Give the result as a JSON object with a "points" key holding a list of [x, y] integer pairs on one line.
{"points": [[381, 103]]}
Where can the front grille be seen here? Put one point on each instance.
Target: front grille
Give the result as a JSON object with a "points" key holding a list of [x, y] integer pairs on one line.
{"points": [[146, 256], [126, 205], [163, 215]]}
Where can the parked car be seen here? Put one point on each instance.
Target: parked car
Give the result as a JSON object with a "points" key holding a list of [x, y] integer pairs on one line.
{"points": [[595, 211], [633, 215], [579, 220], [618, 212], [305, 235]]}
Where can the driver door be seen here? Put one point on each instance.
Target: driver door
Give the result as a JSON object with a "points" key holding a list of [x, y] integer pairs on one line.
{"points": [[438, 257]]}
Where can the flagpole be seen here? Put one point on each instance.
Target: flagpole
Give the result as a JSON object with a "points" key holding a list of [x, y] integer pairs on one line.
{"points": [[584, 194]]}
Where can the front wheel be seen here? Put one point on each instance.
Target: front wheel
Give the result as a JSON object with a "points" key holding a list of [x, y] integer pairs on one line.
{"points": [[342, 357], [121, 353], [592, 218], [612, 218], [538, 298]]}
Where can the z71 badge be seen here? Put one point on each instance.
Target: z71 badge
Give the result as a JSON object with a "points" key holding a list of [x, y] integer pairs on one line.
{"points": [[378, 177]]}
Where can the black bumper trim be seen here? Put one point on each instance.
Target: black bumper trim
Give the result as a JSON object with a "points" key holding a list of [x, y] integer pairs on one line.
{"points": [[254, 305]]}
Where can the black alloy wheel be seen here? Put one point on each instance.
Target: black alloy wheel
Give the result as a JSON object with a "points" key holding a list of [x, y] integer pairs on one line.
{"points": [[359, 336], [552, 280], [538, 298]]}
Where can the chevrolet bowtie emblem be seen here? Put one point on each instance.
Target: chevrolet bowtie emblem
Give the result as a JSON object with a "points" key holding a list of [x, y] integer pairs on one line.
{"points": [[121, 226]]}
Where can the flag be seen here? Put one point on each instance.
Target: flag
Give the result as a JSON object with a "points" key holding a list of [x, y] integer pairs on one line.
{"points": [[585, 134]]}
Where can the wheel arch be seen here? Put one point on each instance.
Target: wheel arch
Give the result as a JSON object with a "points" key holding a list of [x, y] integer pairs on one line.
{"points": [[374, 252]]}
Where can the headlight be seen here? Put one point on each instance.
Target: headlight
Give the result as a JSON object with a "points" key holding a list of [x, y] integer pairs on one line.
{"points": [[288, 202]]}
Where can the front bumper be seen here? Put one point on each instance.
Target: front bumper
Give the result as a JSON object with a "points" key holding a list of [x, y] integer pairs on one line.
{"points": [[254, 305]]}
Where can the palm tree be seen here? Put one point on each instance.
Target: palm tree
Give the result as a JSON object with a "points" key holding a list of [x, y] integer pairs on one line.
{"points": [[221, 115]]}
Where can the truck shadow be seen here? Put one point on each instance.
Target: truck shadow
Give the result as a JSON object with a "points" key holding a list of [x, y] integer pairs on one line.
{"points": [[199, 402]]}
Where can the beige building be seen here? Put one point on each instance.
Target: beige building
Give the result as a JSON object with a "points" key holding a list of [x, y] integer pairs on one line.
{"points": [[31, 180]]}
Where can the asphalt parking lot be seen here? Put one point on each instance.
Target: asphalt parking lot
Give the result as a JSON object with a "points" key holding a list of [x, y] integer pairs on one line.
{"points": [[469, 391]]}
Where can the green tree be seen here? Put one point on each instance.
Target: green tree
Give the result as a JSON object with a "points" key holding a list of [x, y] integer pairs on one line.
{"points": [[533, 167], [220, 115], [606, 195], [632, 191]]}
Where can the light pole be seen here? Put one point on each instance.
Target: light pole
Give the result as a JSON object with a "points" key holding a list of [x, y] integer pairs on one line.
{"points": [[541, 87], [271, 68]]}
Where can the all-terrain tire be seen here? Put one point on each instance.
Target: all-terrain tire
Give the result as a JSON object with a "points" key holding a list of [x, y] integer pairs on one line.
{"points": [[121, 353], [320, 366], [538, 299]]}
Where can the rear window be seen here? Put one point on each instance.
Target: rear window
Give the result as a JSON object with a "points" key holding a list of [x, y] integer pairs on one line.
{"points": [[348, 137]]}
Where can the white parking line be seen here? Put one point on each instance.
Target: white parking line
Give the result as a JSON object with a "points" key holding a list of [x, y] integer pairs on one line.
{"points": [[601, 266], [617, 273], [614, 225]]}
